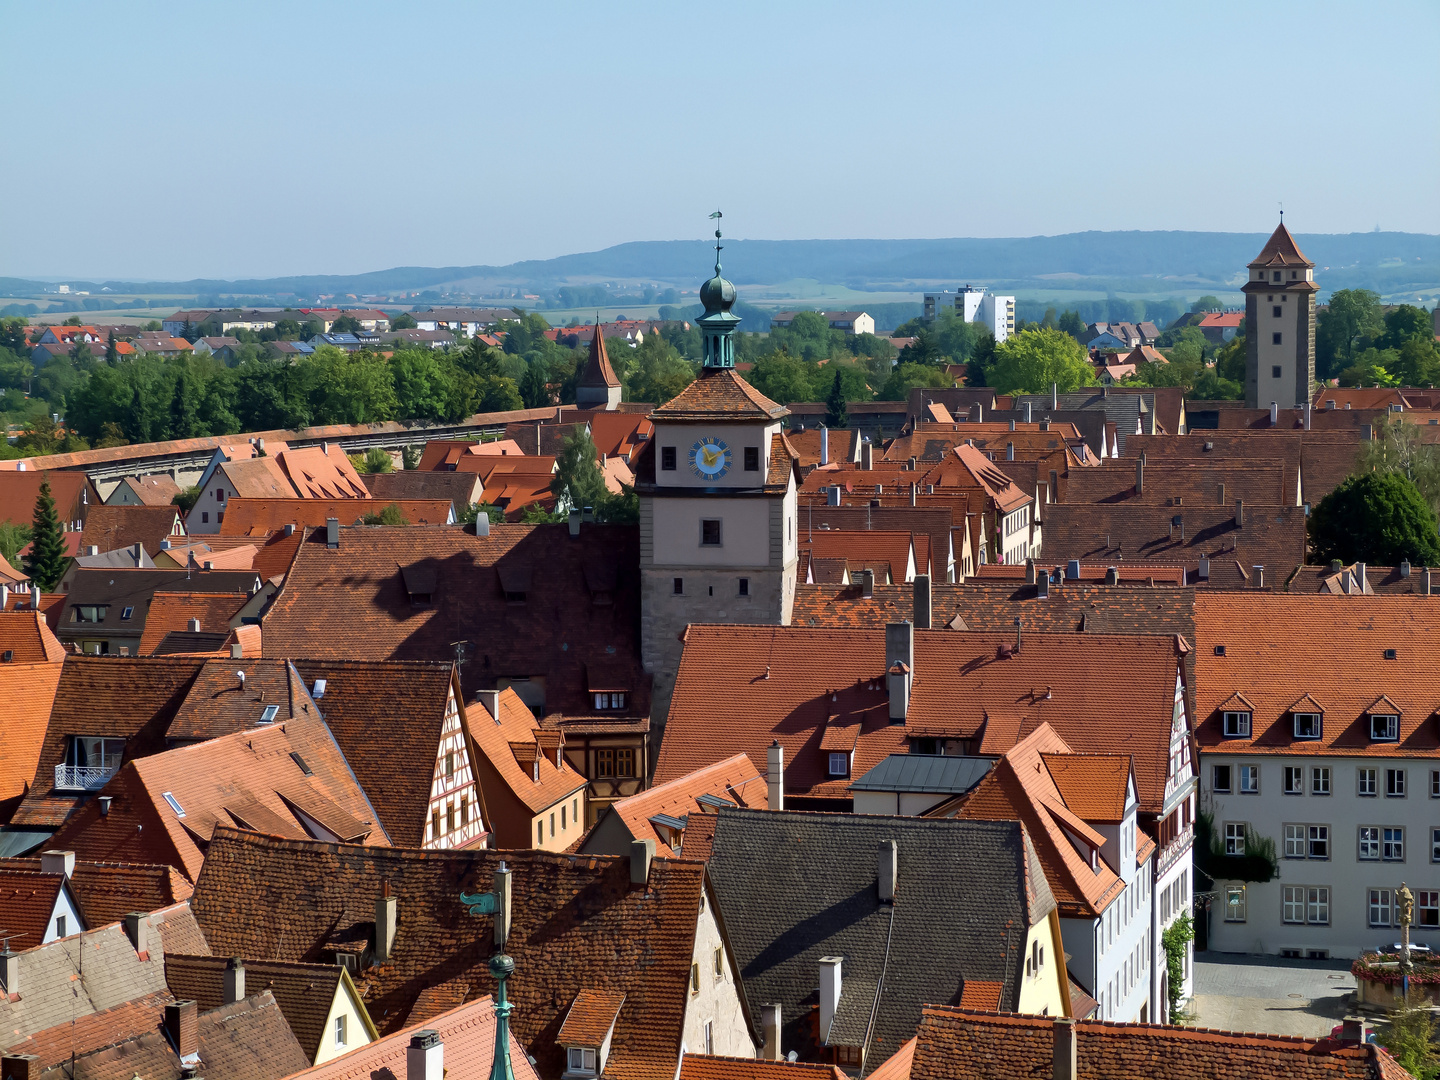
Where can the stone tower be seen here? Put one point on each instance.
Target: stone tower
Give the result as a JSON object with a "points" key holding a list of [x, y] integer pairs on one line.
{"points": [[597, 387], [1280, 325], [717, 488]]}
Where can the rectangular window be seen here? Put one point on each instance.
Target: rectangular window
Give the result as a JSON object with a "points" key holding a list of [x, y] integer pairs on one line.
{"points": [[464, 810], [1427, 907], [1275, 312], [709, 532], [1276, 337], [709, 1036], [719, 963], [752, 459], [1394, 783], [1275, 371], [174, 803], [1294, 841], [1392, 846], [340, 1030], [1384, 728], [1435, 845], [1294, 780], [744, 586], [540, 832], [1220, 778], [552, 824], [564, 810], [1235, 837], [449, 817], [1379, 907], [1365, 781], [1307, 725], [1435, 783], [679, 587], [1249, 779], [449, 763], [1369, 847], [1319, 841], [125, 615], [694, 978], [435, 824], [60, 926], [667, 458], [1293, 904], [1317, 906], [839, 764], [1237, 725], [91, 613], [1320, 780]]}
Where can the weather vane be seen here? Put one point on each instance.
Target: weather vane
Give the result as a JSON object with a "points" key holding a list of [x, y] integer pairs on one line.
{"points": [[714, 216]]}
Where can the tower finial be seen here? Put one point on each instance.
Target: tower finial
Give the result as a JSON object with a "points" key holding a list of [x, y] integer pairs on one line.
{"points": [[717, 214]]}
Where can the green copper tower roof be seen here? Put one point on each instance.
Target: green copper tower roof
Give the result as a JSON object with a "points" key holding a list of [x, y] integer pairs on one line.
{"points": [[718, 322]]}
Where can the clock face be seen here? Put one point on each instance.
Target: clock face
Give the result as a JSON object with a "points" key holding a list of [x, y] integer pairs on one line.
{"points": [[710, 458]]}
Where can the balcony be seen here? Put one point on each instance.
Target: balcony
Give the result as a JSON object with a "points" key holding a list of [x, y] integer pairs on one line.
{"points": [[82, 777]]}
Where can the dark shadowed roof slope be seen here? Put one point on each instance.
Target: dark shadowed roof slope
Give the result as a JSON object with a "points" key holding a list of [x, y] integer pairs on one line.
{"points": [[111, 527], [795, 887], [108, 891]]}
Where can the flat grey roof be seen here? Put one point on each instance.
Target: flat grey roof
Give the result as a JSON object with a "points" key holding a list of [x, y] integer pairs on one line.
{"points": [[929, 773]]}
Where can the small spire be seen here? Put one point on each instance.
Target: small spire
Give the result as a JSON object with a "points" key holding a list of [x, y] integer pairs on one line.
{"points": [[715, 215]]}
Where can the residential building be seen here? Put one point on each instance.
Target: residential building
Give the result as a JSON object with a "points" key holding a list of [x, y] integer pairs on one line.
{"points": [[1314, 718], [1221, 326], [850, 322], [852, 910], [220, 347], [110, 528], [972, 305], [320, 1002], [31, 659], [634, 958], [598, 387], [1280, 341], [39, 908], [106, 610], [425, 339], [717, 488], [465, 321], [73, 493], [156, 489], [161, 344]]}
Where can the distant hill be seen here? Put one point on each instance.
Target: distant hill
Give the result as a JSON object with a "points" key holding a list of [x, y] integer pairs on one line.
{"points": [[1388, 262]]}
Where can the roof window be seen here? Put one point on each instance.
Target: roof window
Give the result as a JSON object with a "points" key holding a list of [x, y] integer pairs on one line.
{"points": [[1219, 650], [1237, 725], [174, 803], [1384, 727], [295, 757], [1389, 654], [268, 714], [319, 691], [1307, 725]]}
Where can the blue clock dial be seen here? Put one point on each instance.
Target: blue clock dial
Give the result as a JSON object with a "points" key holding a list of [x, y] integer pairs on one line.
{"points": [[710, 458]]}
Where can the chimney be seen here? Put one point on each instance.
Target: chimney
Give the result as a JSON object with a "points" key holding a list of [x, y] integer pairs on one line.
{"points": [[1045, 425], [193, 625], [1139, 476], [332, 532], [1026, 407], [575, 521], [237, 651], [1329, 404], [182, 1028], [425, 1056], [1307, 416], [1274, 414], [641, 853], [138, 550], [20, 1067], [1257, 576], [867, 451], [1112, 575], [137, 929], [10, 972], [1239, 513], [886, 867], [914, 491], [1054, 397], [1072, 569], [922, 602], [1220, 494], [1009, 451], [234, 981], [770, 1020], [867, 584], [57, 862], [482, 523], [824, 445], [1012, 424], [325, 447], [913, 463], [830, 977], [1404, 567], [1360, 575], [899, 667], [1019, 633], [1425, 582], [165, 544], [386, 922], [491, 700], [775, 775], [1066, 1061], [4, 597], [587, 514], [1204, 568], [1042, 586], [1029, 571]]}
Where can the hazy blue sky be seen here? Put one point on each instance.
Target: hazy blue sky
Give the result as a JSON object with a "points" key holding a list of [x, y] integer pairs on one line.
{"points": [[171, 140]]}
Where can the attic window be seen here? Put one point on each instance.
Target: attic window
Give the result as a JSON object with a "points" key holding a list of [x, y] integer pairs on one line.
{"points": [[127, 613], [1219, 650], [419, 584], [295, 757], [609, 700], [1237, 725], [1307, 725], [268, 714], [1389, 654], [839, 764], [174, 803], [1384, 727]]}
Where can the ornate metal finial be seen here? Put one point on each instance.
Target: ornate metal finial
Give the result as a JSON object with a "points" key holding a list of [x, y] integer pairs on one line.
{"points": [[497, 903], [717, 214]]}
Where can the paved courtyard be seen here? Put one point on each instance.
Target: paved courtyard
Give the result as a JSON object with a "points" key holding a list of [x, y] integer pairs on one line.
{"points": [[1269, 994]]}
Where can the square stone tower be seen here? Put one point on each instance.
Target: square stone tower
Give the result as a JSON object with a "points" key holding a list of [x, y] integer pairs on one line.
{"points": [[1280, 325]]}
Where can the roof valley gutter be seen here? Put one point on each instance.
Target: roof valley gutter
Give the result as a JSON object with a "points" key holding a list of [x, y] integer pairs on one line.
{"points": [[879, 989]]}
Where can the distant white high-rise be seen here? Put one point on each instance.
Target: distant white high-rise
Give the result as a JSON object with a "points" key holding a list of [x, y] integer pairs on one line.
{"points": [[996, 313]]}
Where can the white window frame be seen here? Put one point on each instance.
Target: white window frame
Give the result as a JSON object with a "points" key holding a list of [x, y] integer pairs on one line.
{"points": [[1395, 783], [1317, 905], [1235, 837], [1392, 844], [1427, 900], [1294, 841], [1375, 901], [1237, 724], [1388, 725], [1317, 835], [1367, 782], [340, 1030], [1367, 845], [1294, 779], [580, 1059], [1249, 779], [1320, 780], [839, 764], [1308, 725]]}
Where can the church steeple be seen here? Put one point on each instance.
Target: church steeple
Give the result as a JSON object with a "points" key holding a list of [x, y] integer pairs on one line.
{"points": [[718, 323], [597, 387]]}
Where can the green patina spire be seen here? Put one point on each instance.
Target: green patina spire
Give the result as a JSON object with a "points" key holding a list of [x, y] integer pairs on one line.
{"points": [[501, 967], [718, 323]]}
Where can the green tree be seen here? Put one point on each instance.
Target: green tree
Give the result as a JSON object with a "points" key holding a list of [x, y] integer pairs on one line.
{"points": [[1398, 447], [656, 372], [1174, 941], [46, 563], [112, 351], [1417, 362], [187, 499], [354, 388], [403, 321], [422, 385], [346, 324], [578, 481], [534, 391], [1030, 361], [1378, 518], [783, 378], [375, 460], [390, 514], [1230, 360], [924, 349], [1351, 320], [1410, 1038], [836, 411], [13, 536], [898, 386], [1207, 303], [1071, 323], [1403, 322]]}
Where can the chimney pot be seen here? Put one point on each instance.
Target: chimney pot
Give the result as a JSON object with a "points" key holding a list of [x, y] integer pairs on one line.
{"points": [[137, 929], [1054, 396], [922, 602], [57, 862], [770, 1017], [234, 988], [182, 1027], [1360, 576], [1012, 425], [641, 853], [1404, 567], [1352, 1029], [1274, 414], [425, 1056], [775, 774], [1204, 568], [20, 1067], [1066, 1060], [887, 865]]}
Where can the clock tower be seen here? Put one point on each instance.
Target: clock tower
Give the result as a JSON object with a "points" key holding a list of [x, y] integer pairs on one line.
{"points": [[1280, 325], [717, 489]]}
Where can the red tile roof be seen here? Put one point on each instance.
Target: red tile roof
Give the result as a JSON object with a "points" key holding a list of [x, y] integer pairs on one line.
{"points": [[322, 472], [598, 371], [110, 528], [518, 759], [720, 393], [174, 610], [890, 554], [1280, 250], [28, 900], [252, 517], [73, 493], [256, 478], [154, 490], [592, 1014], [93, 1031], [27, 639], [107, 891], [714, 1067], [27, 692]]}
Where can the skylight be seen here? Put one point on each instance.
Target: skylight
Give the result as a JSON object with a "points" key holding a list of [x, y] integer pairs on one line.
{"points": [[174, 803], [268, 714]]}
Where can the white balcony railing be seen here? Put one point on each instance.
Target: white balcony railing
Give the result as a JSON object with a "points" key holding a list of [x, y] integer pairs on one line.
{"points": [[82, 777]]}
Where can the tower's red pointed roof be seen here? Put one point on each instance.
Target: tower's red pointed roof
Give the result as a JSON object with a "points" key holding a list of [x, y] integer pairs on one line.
{"points": [[1281, 250], [720, 394], [598, 371]]}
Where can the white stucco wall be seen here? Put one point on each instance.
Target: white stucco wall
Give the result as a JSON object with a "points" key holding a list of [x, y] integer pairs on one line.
{"points": [[718, 1000]]}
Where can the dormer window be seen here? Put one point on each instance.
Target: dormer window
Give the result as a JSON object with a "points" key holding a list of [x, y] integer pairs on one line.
{"points": [[1237, 725], [581, 1059], [609, 700], [1307, 725], [839, 764], [1384, 727]]}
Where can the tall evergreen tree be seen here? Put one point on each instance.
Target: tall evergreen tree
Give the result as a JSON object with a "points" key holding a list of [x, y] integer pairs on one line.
{"points": [[46, 562], [836, 414], [112, 352]]}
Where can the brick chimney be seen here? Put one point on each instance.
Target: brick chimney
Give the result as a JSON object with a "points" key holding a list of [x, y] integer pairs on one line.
{"points": [[899, 667], [233, 989], [182, 1028], [386, 922], [20, 1067], [770, 1016], [425, 1056], [922, 602], [775, 774], [1066, 1060]]}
